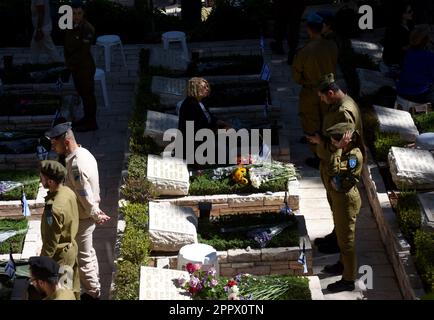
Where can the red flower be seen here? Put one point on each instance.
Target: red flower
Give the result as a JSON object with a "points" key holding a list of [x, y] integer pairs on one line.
{"points": [[192, 268], [193, 290], [231, 283]]}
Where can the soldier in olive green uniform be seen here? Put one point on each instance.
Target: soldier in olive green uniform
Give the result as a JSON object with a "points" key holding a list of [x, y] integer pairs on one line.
{"points": [[344, 171], [59, 223], [341, 108], [79, 60], [317, 58], [46, 277]]}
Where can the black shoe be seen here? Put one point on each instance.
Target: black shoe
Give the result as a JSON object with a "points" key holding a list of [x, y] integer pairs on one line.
{"points": [[328, 239], [277, 48], [86, 296], [329, 248], [312, 162], [341, 285], [335, 269], [85, 127]]}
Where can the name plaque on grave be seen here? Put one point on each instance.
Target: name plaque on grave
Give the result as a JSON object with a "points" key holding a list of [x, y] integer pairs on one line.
{"points": [[392, 120], [157, 124], [169, 175], [412, 168], [427, 202], [159, 284], [164, 85]]}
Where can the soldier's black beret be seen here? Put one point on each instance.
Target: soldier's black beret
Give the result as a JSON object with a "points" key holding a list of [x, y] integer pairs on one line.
{"points": [[58, 130], [44, 268], [53, 169]]}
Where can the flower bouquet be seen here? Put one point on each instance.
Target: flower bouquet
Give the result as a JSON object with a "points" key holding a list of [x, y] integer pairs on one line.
{"points": [[201, 284]]}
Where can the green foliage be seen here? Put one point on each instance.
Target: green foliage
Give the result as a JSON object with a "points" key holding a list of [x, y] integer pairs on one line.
{"points": [[30, 179], [136, 187], [202, 185], [136, 215], [276, 288], [409, 215], [16, 241], [383, 142], [127, 281], [425, 122], [209, 233], [424, 243]]}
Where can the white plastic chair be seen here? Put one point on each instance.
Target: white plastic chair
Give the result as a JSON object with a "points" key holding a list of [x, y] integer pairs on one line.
{"points": [[107, 42], [100, 76], [176, 36]]}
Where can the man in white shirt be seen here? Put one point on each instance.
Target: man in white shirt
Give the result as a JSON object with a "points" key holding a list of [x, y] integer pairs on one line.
{"points": [[41, 40], [82, 177]]}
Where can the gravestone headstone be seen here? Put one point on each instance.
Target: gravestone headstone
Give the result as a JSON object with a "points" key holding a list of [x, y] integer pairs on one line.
{"points": [[371, 81], [171, 227], [425, 141], [157, 123], [164, 85], [169, 176], [412, 168], [373, 50], [392, 120], [169, 59], [160, 284], [427, 202]]}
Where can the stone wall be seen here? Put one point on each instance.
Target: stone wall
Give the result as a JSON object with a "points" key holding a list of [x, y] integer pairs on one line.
{"points": [[398, 250]]}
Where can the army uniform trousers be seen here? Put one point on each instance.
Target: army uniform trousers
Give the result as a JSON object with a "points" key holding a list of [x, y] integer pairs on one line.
{"points": [[83, 77]]}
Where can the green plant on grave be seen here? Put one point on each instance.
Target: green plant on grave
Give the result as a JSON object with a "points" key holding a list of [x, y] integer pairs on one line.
{"points": [[384, 141], [425, 122], [135, 246], [30, 180], [136, 187], [127, 281], [424, 244], [409, 214], [136, 215], [16, 241]]}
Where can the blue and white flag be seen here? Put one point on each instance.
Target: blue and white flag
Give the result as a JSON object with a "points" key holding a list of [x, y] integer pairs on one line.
{"points": [[302, 258], [25, 206], [10, 267], [262, 45]]}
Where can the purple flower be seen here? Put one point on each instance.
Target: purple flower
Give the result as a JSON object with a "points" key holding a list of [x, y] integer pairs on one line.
{"points": [[238, 278], [181, 281], [213, 283], [194, 282], [211, 272]]}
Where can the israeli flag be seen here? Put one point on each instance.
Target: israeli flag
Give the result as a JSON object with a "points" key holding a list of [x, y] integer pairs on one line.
{"points": [[302, 258], [25, 206], [10, 267]]}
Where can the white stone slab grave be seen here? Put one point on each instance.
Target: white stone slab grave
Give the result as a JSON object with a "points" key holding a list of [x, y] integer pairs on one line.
{"points": [[427, 202], [392, 120], [373, 50], [160, 284], [169, 176], [165, 85], [170, 59], [157, 124], [425, 141], [412, 168], [171, 227], [371, 81]]}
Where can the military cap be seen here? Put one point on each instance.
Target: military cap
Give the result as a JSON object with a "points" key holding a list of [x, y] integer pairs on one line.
{"points": [[53, 169], [44, 268], [340, 129], [326, 81], [58, 130], [314, 18]]}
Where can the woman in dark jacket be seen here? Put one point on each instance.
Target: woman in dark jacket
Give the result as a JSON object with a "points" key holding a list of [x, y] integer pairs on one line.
{"points": [[192, 110]]}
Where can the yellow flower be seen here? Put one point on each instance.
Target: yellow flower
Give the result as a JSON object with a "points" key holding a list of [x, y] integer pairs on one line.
{"points": [[239, 176]]}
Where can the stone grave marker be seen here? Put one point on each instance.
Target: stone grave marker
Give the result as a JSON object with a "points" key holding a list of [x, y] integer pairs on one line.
{"points": [[412, 168], [170, 59], [169, 176], [427, 202], [157, 123], [373, 50], [392, 120], [164, 85], [171, 227], [371, 81], [160, 284]]}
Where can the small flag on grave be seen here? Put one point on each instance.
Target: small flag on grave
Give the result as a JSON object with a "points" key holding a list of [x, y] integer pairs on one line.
{"points": [[10, 267], [302, 258], [25, 205]]}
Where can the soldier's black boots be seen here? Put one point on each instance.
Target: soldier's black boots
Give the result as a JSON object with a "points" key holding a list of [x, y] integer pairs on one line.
{"points": [[341, 285], [328, 244], [335, 269]]}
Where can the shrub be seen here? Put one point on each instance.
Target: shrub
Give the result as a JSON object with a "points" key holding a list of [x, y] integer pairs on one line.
{"points": [[425, 122], [136, 215], [424, 243], [127, 281], [383, 142], [409, 215]]}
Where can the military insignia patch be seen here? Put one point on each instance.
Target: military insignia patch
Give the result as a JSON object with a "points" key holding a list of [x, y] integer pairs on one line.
{"points": [[50, 220], [352, 163], [48, 215]]}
